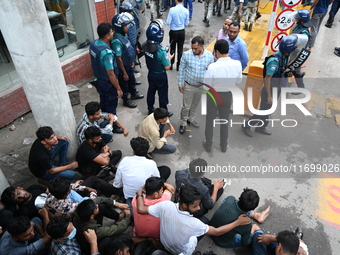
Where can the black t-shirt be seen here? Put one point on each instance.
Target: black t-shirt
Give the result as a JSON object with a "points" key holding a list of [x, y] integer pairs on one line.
{"points": [[85, 156], [39, 159], [29, 209]]}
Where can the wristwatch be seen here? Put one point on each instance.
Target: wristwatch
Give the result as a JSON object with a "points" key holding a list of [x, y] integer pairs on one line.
{"points": [[139, 195]]}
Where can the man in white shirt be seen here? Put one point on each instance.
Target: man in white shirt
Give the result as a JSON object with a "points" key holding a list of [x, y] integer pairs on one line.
{"points": [[133, 171], [224, 72], [179, 229]]}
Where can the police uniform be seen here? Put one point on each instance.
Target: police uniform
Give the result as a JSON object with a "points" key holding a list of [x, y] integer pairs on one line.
{"points": [[275, 65], [103, 60], [236, 9], [157, 78], [249, 14], [123, 48]]}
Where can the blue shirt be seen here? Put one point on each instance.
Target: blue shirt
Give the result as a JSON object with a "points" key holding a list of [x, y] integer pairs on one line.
{"points": [[322, 6], [192, 68], [238, 51], [178, 17], [11, 247]]}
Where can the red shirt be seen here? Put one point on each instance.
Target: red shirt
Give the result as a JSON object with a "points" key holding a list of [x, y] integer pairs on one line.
{"points": [[147, 225]]}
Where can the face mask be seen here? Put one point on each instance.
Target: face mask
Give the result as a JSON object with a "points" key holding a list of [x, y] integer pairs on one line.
{"points": [[73, 233]]}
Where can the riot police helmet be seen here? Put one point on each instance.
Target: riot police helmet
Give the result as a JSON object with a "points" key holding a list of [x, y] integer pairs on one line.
{"points": [[121, 20], [155, 31], [303, 16], [288, 44], [126, 6]]}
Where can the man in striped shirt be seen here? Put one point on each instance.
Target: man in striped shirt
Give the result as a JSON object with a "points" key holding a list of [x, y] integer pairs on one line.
{"points": [[194, 64]]}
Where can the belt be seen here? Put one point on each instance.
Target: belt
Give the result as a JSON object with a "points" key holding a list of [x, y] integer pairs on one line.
{"points": [[192, 84], [179, 30]]}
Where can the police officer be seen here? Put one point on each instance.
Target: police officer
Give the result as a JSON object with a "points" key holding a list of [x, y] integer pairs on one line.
{"points": [[303, 22], [274, 77], [125, 56], [157, 61], [249, 14], [240, 7], [104, 69]]}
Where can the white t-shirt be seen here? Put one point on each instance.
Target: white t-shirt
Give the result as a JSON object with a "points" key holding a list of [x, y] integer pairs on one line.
{"points": [[178, 229], [132, 173]]}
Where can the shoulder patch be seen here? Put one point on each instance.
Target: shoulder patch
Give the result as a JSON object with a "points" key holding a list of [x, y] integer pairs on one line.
{"points": [[273, 67]]}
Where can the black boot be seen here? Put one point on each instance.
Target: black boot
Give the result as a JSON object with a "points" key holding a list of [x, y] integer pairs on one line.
{"points": [[250, 27], [258, 15], [330, 21]]}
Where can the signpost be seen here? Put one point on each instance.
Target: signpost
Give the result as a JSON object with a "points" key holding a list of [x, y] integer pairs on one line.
{"points": [[283, 21], [276, 41], [291, 3]]}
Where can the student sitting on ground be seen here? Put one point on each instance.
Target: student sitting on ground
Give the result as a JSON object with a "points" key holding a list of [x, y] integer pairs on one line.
{"points": [[230, 210], [89, 215], [64, 241], [94, 155], [20, 238], [194, 175], [62, 201]]}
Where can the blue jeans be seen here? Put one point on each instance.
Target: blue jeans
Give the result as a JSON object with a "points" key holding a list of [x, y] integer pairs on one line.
{"points": [[335, 7], [185, 4], [60, 150], [106, 137], [37, 236], [67, 173], [259, 248]]}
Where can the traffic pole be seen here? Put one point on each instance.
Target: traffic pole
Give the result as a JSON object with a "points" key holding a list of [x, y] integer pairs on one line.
{"points": [[270, 29]]}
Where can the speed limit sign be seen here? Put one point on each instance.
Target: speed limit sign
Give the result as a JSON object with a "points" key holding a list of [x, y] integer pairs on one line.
{"points": [[276, 41], [283, 21]]}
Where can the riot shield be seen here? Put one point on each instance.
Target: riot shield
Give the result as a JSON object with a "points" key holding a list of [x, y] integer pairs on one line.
{"points": [[300, 54]]}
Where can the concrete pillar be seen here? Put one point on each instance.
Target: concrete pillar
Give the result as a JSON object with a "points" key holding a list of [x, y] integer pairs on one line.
{"points": [[3, 182], [28, 35]]}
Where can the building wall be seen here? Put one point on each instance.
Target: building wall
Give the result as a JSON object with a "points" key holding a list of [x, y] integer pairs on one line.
{"points": [[79, 70], [76, 70], [105, 11], [13, 105]]}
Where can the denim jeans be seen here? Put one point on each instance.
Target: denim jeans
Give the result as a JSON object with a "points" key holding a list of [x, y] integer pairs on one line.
{"points": [[60, 150], [37, 236], [259, 248], [67, 173], [106, 137]]}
